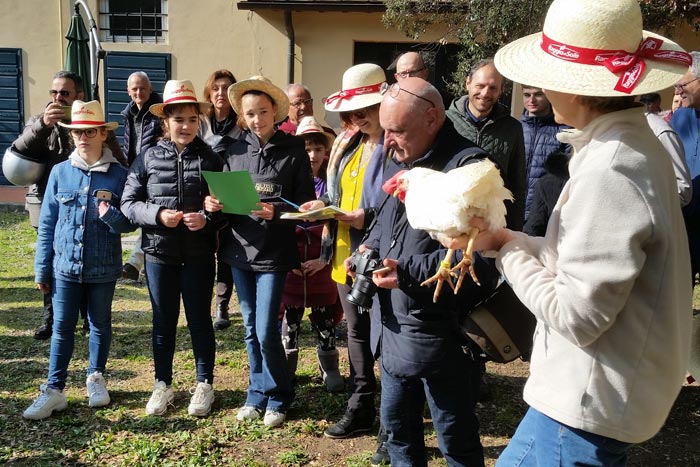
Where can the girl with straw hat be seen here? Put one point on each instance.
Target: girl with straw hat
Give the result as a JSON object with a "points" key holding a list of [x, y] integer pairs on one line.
{"points": [[78, 253], [608, 282], [164, 195], [260, 247]]}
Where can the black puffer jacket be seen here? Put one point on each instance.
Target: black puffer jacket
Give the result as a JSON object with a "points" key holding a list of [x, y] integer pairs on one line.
{"points": [[150, 127], [162, 179], [280, 168]]}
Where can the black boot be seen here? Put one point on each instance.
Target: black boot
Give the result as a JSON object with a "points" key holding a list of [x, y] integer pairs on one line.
{"points": [[44, 331], [222, 320], [381, 455], [353, 421]]}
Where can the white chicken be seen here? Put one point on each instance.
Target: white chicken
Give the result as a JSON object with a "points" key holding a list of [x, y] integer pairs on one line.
{"points": [[443, 203]]}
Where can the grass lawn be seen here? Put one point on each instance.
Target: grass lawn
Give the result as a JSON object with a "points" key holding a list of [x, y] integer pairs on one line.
{"points": [[122, 435]]}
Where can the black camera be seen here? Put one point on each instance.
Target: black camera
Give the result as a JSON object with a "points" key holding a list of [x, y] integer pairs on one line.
{"points": [[363, 289]]}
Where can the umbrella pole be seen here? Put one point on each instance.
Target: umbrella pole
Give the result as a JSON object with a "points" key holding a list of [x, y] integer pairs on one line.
{"points": [[96, 51]]}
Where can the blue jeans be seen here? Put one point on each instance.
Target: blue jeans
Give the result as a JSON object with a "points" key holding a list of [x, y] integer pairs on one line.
{"points": [[195, 282], [451, 399], [67, 297], [541, 441], [260, 296]]}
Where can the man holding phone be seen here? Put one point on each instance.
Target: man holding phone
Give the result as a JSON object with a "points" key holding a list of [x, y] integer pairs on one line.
{"points": [[42, 139]]}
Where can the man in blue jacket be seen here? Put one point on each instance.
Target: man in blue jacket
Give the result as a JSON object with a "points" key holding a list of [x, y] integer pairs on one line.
{"points": [[424, 356], [141, 131], [686, 122], [539, 131]]}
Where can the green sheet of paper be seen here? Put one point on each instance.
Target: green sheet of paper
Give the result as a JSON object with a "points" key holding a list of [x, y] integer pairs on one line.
{"points": [[235, 190]]}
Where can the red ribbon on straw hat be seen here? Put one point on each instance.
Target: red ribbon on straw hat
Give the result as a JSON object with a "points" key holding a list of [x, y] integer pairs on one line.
{"points": [[348, 93], [630, 64]]}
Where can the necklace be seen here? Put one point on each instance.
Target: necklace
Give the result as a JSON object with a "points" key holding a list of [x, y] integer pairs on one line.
{"points": [[366, 150]]}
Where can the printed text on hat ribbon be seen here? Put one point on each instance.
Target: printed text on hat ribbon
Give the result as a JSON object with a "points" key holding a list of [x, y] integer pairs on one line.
{"points": [[630, 64]]}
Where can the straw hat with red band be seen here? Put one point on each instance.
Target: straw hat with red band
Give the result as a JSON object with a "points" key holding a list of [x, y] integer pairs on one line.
{"points": [[261, 84], [309, 125], [88, 115], [594, 48], [361, 88], [178, 92]]}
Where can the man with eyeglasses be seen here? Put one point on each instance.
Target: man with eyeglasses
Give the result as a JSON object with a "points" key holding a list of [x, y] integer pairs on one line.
{"points": [[43, 140], [686, 122], [411, 64], [424, 358], [301, 105]]}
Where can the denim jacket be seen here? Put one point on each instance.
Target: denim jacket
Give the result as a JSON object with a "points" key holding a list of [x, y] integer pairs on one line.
{"points": [[74, 243]]}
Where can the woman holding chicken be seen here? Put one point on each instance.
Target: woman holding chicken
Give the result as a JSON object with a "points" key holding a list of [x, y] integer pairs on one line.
{"points": [[607, 283]]}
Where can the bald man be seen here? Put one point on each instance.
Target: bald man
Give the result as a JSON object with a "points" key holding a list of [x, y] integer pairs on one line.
{"points": [[423, 356], [411, 64]]}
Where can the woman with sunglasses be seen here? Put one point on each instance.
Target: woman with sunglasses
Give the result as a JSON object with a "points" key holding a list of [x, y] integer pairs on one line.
{"points": [[354, 179], [79, 253]]}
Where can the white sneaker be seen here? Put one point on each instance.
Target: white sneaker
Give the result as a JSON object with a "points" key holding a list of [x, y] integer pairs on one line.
{"points": [[247, 412], [202, 399], [161, 397], [97, 390], [274, 418], [48, 401]]}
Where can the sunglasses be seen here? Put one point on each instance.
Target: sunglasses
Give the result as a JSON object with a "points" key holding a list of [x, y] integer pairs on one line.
{"points": [[89, 132], [394, 90], [358, 114], [62, 92]]}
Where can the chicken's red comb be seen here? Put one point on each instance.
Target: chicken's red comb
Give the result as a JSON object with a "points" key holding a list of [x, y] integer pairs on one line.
{"points": [[391, 186]]}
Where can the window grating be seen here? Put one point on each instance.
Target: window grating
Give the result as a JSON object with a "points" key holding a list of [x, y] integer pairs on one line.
{"points": [[134, 20]]}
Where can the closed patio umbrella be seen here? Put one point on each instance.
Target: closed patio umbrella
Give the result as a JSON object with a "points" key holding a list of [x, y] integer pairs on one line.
{"points": [[78, 51]]}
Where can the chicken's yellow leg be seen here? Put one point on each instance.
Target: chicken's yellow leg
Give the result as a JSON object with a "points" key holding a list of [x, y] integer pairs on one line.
{"points": [[467, 263], [442, 274]]}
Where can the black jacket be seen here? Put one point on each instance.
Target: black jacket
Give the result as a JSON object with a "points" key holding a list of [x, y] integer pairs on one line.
{"points": [[281, 168], [540, 141], [419, 337], [547, 191], [162, 179], [150, 127]]}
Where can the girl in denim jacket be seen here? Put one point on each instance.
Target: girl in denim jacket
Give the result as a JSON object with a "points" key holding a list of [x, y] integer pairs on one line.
{"points": [[79, 253]]}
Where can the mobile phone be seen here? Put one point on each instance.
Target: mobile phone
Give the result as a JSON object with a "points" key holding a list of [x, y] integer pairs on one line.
{"points": [[103, 195]]}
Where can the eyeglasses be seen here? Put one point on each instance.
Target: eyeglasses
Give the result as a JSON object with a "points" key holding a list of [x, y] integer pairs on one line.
{"points": [[301, 102], [394, 90], [681, 86], [89, 132], [62, 92], [412, 73]]}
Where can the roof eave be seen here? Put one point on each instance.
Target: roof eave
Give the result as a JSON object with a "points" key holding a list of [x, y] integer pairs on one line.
{"points": [[345, 6]]}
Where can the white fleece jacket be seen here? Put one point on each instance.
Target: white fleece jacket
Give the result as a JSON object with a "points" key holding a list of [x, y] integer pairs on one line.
{"points": [[609, 285]]}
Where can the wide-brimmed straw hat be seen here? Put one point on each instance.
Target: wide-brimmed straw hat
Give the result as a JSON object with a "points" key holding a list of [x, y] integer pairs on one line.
{"points": [[262, 84], [361, 86], [309, 125], [178, 92], [88, 115], [594, 48]]}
